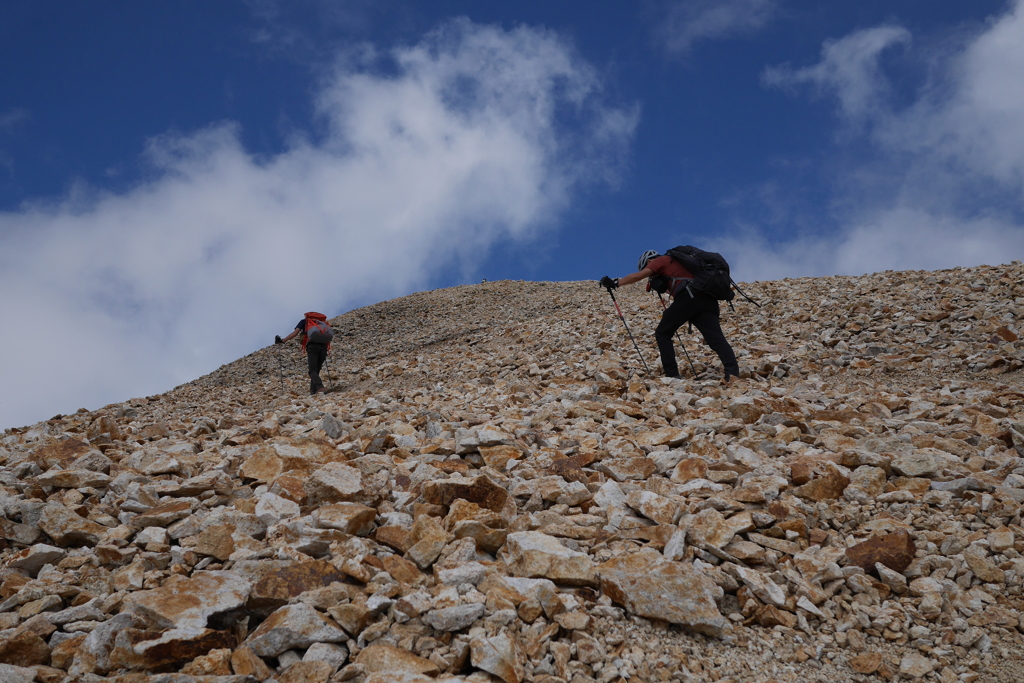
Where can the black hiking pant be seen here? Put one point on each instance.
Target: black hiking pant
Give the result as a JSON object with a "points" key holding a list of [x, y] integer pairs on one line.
{"points": [[702, 311], [316, 355]]}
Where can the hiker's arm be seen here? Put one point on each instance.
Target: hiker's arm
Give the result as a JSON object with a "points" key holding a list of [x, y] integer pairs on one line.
{"points": [[290, 336], [635, 277]]}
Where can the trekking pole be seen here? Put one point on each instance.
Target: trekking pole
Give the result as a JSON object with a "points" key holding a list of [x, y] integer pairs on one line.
{"points": [[681, 344], [623, 319], [742, 293], [280, 365], [328, 363]]}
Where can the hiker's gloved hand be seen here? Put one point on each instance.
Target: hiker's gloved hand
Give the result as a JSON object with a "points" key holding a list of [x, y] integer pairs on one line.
{"points": [[609, 283], [277, 339]]}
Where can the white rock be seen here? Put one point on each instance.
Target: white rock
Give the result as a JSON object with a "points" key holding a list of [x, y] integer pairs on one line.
{"points": [[272, 508]]}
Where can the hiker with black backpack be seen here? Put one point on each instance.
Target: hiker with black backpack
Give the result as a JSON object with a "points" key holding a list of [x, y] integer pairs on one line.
{"points": [[696, 280], [316, 342]]}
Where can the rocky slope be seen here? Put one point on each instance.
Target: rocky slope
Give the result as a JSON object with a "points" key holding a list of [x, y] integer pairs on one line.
{"points": [[494, 490]]}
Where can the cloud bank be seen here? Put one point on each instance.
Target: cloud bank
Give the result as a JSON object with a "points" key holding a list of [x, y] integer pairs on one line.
{"points": [[427, 155], [941, 180]]}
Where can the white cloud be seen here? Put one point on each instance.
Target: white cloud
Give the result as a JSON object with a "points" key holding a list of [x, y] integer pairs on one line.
{"points": [[974, 118], [944, 183], [899, 238], [689, 21], [423, 163], [849, 68]]}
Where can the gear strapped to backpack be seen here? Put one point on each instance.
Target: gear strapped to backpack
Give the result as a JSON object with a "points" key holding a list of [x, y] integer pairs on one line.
{"points": [[318, 330]]}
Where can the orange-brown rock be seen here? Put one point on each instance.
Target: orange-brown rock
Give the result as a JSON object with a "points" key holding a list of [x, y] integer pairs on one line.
{"points": [[289, 486], [307, 672], [266, 465], [278, 586], [244, 662], [431, 539], [487, 539], [500, 655], [568, 469], [12, 583], [866, 663], [352, 518], [60, 454], [479, 490], [67, 528], [216, 541], [829, 486], [163, 514], [103, 430], [62, 655], [398, 537], [1005, 334], [895, 551], [770, 615], [352, 617], [688, 469], [157, 430], [402, 570], [462, 510], [213, 663], [137, 649], [460, 466], [23, 648], [800, 473], [498, 456], [745, 409]]}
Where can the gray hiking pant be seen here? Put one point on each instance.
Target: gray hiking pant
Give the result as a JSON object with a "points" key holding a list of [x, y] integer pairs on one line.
{"points": [[316, 355]]}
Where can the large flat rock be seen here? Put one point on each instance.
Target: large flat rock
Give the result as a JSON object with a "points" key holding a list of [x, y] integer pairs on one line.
{"points": [[190, 602], [648, 585]]}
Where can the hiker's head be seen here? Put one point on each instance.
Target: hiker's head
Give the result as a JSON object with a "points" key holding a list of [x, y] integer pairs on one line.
{"points": [[647, 256]]}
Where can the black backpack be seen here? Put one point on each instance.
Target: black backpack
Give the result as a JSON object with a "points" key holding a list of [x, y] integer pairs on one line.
{"points": [[710, 275], [710, 272]]}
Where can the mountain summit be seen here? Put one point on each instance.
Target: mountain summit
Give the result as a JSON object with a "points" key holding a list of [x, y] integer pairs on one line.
{"points": [[493, 490]]}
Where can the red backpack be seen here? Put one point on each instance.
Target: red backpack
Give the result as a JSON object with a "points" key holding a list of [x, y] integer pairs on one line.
{"points": [[318, 330]]}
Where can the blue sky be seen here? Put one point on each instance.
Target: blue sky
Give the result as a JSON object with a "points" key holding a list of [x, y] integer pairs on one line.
{"points": [[162, 163]]}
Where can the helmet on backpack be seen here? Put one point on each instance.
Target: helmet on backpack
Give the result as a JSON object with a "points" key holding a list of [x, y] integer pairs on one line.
{"points": [[645, 258]]}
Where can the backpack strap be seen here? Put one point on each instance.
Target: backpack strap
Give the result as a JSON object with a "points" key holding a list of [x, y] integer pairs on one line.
{"points": [[675, 283]]}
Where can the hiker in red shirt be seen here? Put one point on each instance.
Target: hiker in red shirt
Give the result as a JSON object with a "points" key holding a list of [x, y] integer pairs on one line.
{"points": [[316, 342], [687, 307]]}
